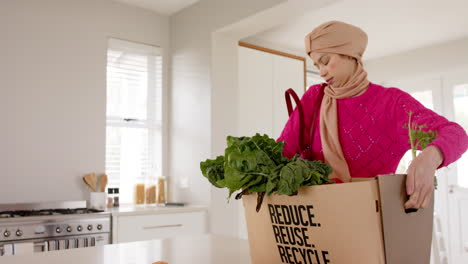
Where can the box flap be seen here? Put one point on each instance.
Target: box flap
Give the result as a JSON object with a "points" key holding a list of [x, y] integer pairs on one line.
{"points": [[407, 236]]}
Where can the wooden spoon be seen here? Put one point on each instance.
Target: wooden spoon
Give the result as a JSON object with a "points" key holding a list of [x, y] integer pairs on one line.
{"points": [[91, 180], [103, 182]]}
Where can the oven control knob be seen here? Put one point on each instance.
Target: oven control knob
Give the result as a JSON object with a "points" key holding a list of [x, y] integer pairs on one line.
{"points": [[69, 229], [19, 233], [90, 227], [6, 233], [58, 230], [79, 228], [99, 227]]}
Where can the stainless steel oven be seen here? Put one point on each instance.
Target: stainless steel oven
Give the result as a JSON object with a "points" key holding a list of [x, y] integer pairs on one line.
{"points": [[28, 228]]}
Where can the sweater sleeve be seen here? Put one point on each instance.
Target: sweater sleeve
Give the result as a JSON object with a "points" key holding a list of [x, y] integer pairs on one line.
{"points": [[452, 139], [290, 133]]}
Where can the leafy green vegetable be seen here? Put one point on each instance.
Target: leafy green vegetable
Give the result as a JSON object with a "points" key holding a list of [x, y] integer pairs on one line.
{"points": [[256, 164], [418, 138], [213, 170]]}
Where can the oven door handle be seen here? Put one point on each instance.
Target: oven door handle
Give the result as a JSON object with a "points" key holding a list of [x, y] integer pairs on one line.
{"points": [[43, 245]]}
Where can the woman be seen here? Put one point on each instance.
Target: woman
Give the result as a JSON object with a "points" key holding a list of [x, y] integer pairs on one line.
{"points": [[360, 125]]}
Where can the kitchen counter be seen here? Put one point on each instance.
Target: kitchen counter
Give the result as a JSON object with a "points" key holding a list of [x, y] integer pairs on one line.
{"points": [[206, 249], [130, 209]]}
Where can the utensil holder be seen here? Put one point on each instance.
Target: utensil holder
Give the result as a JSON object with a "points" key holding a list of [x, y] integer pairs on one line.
{"points": [[97, 200]]}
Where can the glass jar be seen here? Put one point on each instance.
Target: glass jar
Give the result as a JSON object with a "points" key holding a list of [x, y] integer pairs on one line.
{"points": [[161, 190], [116, 197], [151, 192], [110, 197], [139, 197]]}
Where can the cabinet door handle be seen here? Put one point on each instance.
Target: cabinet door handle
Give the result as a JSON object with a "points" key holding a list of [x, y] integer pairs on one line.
{"points": [[161, 226], [43, 246]]}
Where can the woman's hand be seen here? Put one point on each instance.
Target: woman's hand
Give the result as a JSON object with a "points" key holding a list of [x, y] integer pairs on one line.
{"points": [[420, 179]]}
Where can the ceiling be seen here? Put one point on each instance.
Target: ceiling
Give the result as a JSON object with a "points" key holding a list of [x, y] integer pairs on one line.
{"points": [[392, 26], [165, 7]]}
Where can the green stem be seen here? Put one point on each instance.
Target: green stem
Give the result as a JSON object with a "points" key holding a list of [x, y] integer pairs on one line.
{"points": [[258, 173], [410, 128], [415, 149]]}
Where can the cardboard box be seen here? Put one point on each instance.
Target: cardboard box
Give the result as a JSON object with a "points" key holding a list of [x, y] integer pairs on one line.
{"points": [[359, 222]]}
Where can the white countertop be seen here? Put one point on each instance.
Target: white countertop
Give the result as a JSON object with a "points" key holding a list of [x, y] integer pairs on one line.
{"points": [[131, 209], [204, 249]]}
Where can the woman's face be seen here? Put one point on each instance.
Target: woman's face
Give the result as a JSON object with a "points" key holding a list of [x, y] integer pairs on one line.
{"points": [[335, 69]]}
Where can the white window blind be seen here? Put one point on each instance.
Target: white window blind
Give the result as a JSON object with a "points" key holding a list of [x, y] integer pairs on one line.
{"points": [[134, 115]]}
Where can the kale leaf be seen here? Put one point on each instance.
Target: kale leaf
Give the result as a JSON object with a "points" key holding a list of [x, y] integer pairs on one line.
{"points": [[213, 170], [256, 164]]}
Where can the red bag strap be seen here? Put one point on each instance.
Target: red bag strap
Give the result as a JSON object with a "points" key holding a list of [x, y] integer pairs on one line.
{"points": [[290, 92], [318, 103]]}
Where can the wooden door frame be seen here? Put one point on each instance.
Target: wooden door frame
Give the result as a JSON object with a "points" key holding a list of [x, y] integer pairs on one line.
{"points": [[280, 53]]}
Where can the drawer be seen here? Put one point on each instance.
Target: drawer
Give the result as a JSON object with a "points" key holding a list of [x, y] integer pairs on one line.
{"points": [[147, 227]]}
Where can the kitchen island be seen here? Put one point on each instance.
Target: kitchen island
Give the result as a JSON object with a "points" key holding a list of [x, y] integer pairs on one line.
{"points": [[205, 249]]}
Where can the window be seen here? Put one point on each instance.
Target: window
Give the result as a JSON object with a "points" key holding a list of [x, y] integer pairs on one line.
{"points": [[133, 115], [460, 101]]}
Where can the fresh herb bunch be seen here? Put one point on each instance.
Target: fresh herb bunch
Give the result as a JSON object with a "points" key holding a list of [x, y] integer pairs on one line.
{"points": [[257, 165], [418, 138]]}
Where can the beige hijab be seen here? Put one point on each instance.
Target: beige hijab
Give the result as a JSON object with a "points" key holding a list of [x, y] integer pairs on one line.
{"points": [[339, 38]]}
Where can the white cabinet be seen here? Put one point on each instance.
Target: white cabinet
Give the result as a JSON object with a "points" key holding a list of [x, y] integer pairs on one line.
{"points": [[255, 92], [263, 79], [156, 225], [287, 73]]}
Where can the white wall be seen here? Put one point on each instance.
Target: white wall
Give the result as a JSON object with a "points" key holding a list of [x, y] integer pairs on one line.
{"points": [[53, 91], [204, 92], [431, 61], [191, 101]]}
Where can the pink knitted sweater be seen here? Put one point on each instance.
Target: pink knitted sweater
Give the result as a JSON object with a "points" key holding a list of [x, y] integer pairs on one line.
{"points": [[371, 130]]}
